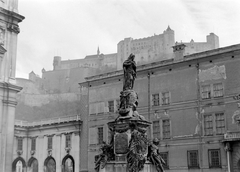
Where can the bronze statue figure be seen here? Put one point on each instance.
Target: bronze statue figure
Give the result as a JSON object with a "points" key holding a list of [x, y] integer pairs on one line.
{"points": [[129, 69], [154, 156]]}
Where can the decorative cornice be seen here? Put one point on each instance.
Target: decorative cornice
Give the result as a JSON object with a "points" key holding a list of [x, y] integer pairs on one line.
{"points": [[76, 133], [11, 15], [9, 102], [9, 86], [49, 135], [13, 28]]}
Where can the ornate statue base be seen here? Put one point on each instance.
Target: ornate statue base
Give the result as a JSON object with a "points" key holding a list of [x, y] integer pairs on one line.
{"points": [[125, 131]]}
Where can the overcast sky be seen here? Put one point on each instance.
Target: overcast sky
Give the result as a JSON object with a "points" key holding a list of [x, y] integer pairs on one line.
{"points": [[75, 28]]}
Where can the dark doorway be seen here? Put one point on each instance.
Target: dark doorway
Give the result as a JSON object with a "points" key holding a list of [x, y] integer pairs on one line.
{"points": [[50, 165], [33, 164], [68, 164]]}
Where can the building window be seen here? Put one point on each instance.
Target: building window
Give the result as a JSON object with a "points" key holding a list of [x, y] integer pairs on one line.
{"points": [[100, 135], [208, 125], [193, 159], [155, 99], [212, 90], [164, 156], [50, 139], [20, 144], [156, 129], [165, 98], [111, 106], [206, 92], [166, 129], [68, 140], [33, 145], [214, 158], [214, 123], [218, 90], [220, 123]]}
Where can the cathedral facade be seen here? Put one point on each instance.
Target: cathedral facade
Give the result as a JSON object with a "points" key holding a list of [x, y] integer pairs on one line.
{"points": [[9, 30]]}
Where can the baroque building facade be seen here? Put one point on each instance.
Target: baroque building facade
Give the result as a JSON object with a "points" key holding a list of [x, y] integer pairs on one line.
{"points": [[49, 145], [191, 100], [9, 31]]}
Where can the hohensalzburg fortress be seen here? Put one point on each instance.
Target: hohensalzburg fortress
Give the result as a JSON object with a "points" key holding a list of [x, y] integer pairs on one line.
{"points": [[154, 48], [66, 74]]}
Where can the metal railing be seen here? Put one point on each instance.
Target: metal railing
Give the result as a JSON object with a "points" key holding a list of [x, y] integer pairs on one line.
{"points": [[47, 121]]}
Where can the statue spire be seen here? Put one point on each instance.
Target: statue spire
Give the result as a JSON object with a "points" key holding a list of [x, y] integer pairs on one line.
{"points": [[98, 51]]}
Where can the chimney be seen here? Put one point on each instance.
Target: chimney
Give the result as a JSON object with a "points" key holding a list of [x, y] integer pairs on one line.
{"points": [[178, 50]]}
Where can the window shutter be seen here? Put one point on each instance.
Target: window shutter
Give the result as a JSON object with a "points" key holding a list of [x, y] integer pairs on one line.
{"points": [[93, 136], [106, 109], [170, 97], [151, 100], [115, 105], [101, 107], [160, 99], [92, 108]]}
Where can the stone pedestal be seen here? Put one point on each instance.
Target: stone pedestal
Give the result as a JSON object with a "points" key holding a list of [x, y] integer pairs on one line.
{"points": [[123, 131]]}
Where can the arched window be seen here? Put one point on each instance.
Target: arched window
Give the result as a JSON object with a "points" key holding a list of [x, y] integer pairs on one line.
{"points": [[50, 164], [68, 164], [33, 164], [19, 166]]}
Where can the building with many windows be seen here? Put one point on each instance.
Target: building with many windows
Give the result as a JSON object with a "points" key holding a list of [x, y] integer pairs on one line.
{"points": [[50, 145], [192, 101]]}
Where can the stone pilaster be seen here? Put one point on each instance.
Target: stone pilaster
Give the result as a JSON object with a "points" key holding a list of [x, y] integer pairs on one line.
{"points": [[7, 117]]}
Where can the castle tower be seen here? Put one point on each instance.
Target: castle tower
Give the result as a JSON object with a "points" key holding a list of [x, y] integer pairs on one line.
{"points": [[213, 40], [168, 41], [56, 62], [179, 51], [123, 51], [32, 76], [9, 30]]}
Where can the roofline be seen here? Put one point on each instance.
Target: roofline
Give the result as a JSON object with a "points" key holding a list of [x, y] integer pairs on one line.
{"points": [[195, 56]]}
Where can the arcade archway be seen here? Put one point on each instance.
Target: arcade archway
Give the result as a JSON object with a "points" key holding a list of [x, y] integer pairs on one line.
{"points": [[19, 165], [50, 164], [33, 164], [68, 164]]}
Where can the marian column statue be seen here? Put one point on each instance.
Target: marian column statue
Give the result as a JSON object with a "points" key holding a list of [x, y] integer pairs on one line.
{"points": [[129, 68], [129, 143], [128, 97]]}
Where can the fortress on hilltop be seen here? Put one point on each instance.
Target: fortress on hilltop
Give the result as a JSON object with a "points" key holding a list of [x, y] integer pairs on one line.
{"points": [[66, 74]]}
